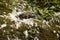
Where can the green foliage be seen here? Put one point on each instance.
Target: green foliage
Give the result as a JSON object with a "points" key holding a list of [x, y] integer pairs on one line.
{"points": [[6, 6], [47, 21], [30, 1]]}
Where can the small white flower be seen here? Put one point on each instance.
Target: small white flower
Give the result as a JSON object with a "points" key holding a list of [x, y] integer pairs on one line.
{"points": [[26, 33], [3, 25], [36, 38], [54, 31]]}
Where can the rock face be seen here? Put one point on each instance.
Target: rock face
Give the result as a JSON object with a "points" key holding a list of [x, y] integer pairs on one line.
{"points": [[27, 15]]}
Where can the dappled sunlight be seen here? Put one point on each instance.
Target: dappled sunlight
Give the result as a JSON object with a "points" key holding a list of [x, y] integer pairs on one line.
{"points": [[29, 20]]}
